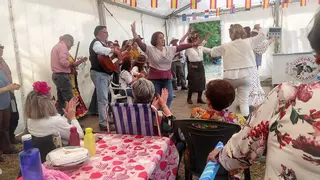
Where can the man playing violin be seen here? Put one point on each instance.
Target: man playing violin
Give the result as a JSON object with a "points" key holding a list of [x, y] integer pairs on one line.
{"points": [[100, 76]]}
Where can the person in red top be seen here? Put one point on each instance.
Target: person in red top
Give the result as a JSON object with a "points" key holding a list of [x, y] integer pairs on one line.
{"points": [[61, 68]]}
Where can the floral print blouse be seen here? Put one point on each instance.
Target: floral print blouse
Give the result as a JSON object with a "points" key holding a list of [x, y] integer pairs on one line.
{"points": [[287, 126], [223, 115]]}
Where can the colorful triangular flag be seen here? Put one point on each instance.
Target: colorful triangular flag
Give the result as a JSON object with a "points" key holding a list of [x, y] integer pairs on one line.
{"points": [[229, 3], [194, 16], [184, 17], [284, 4], [193, 4], [125, 1], [174, 4], [213, 4], [233, 9], [265, 4], [218, 12], [247, 5], [206, 14], [154, 3], [133, 3], [303, 2]]}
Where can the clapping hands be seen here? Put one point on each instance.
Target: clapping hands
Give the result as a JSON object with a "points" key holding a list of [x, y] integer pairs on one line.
{"points": [[161, 101], [70, 109]]}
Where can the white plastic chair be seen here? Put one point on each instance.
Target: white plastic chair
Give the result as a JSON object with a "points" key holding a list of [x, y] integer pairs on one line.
{"points": [[116, 97]]}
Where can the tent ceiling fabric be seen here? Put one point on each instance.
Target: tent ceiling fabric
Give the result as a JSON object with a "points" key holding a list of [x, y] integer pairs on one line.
{"points": [[164, 8]]}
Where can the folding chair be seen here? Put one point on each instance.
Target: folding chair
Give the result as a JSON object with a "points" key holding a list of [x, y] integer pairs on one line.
{"points": [[201, 142], [115, 97], [134, 119]]}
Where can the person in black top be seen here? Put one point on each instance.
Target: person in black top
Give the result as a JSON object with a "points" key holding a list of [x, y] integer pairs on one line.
{"points": [[101, 78]]}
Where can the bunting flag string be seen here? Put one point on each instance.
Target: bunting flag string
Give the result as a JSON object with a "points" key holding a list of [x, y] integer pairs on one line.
{"points": [[133, 3], [218, 12], [174, 4], [284, 4], [193, 4], [213, 4], [266, 4], [125, 1], [303, 2], [154, 3], [229, 3], [248, 5]]}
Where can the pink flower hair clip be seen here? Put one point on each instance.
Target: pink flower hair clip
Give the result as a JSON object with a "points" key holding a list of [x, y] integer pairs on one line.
{"points": [[41, 87]]}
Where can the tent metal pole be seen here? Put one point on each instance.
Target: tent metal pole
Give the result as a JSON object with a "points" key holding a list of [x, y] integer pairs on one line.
{"points": [[17, 55], [277, 43], [135, 9], [102, 15], [166, 30]]}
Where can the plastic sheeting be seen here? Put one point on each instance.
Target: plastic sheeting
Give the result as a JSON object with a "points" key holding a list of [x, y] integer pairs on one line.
{"points": [[40, 23]]}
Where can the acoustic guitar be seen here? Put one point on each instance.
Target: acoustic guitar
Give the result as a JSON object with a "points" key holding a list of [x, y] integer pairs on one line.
{"points": [[110, 63]]}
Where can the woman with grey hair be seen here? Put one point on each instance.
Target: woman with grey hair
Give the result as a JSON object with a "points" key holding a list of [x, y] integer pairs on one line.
{"points": [[144, 92]]}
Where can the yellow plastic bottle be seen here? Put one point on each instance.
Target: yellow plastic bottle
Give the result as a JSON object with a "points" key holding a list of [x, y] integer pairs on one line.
{"points": [[90, 142]]}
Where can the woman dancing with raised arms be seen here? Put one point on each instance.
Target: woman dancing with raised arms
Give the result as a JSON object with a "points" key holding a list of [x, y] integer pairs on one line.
{"points": [[239, 62], [160, 58]]}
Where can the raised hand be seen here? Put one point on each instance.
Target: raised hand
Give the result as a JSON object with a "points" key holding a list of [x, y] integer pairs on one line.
{"points": [[155, 101], [133, 27], [164, 97], [70, 109]]}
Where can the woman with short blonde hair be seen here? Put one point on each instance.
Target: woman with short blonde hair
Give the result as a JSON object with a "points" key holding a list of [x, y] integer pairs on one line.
{"points": [[43, 118], [239, 62]]}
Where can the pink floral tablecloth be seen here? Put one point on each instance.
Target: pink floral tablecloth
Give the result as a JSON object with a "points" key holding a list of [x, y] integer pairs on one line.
{"points": [[121, 157]]}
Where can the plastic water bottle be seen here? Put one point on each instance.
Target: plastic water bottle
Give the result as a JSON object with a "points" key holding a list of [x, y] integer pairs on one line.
{"points": [[90, 142], [211, 169], [74, 138], [30, 162]]}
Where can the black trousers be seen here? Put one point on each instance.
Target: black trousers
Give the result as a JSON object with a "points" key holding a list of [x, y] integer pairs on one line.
{"points": [[64, 89], [14, 120]]}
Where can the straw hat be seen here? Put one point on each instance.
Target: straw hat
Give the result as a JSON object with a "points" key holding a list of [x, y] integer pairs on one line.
{"points": [[141, 59]]}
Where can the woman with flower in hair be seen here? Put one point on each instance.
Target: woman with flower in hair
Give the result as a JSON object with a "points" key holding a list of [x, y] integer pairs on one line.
{"points": [[286, 125], [43, 118]]}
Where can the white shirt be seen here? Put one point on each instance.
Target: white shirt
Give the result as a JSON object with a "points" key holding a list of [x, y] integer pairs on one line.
{"points": [[125, 79], [53, 125], [135, 71], [196, 54], [100, 49], [161, 60], [238, 54]]}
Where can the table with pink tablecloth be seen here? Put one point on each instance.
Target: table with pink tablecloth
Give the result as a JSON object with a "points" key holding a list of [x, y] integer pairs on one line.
{"points": [[130, 157]]}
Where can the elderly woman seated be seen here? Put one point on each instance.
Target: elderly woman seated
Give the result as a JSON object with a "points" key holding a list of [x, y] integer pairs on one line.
{"points": [[220, 94], [144, 92]]}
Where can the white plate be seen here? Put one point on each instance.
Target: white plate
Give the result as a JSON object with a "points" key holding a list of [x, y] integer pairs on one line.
{"points": [[70, 164]]}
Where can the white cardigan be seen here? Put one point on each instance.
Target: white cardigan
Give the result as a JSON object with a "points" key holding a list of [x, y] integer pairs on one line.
{"points": [[53, 125], [237, 54]]}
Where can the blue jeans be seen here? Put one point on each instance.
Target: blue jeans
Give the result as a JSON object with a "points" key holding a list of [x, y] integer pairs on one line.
{"points": [[101, 81], [164, 83]]}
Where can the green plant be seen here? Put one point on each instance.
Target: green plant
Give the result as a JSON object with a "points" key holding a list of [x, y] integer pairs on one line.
{"points": [[214, 28]]}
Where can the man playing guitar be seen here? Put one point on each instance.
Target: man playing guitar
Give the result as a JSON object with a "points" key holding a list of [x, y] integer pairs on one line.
{"points": [[100, 76]]}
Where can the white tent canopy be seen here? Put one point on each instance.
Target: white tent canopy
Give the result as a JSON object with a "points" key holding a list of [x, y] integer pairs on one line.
{"points": [[30, 28]]}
